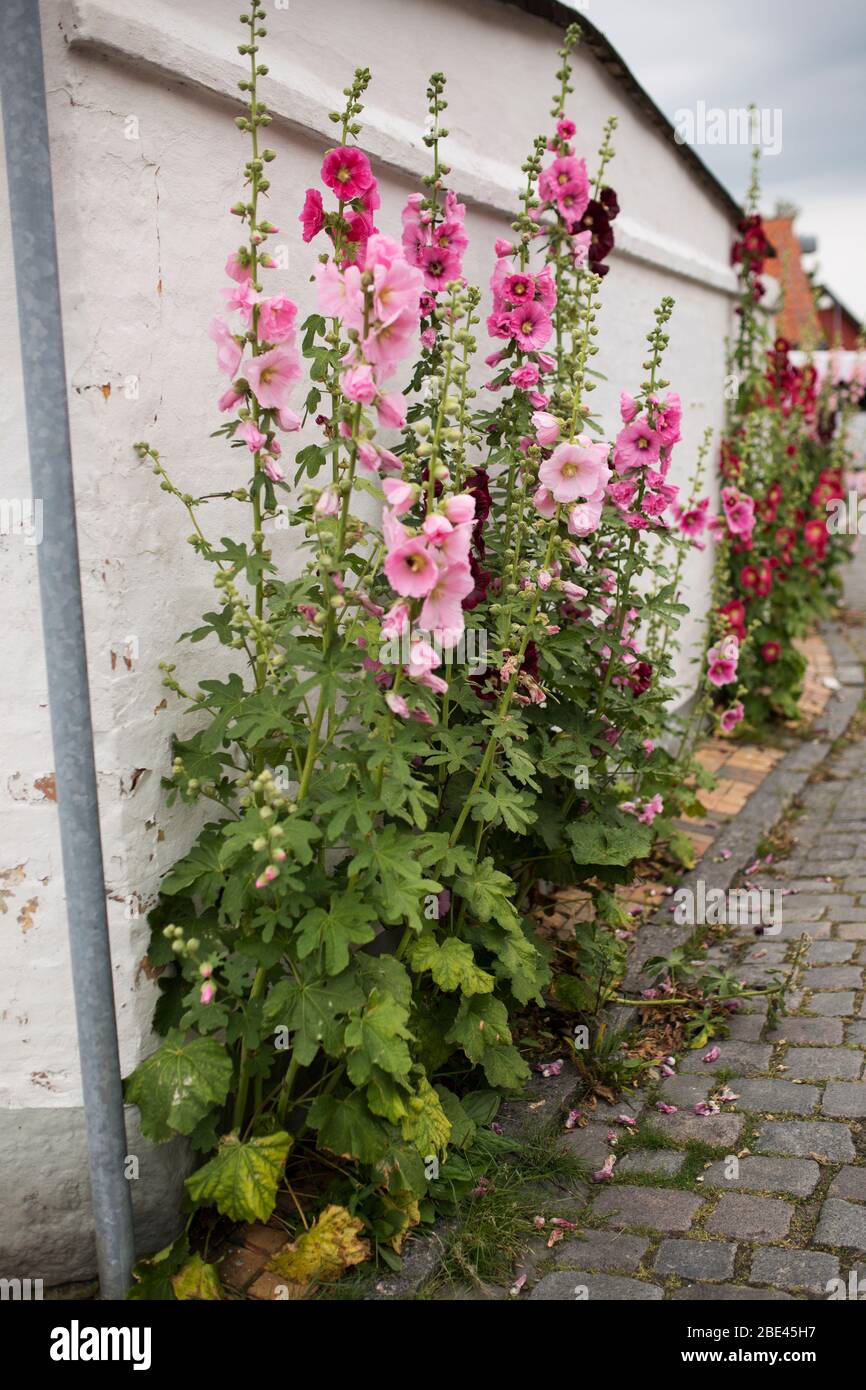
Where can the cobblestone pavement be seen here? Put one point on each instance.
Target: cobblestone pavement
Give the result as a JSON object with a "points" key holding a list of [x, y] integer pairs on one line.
{"points": [[680, 1220]]}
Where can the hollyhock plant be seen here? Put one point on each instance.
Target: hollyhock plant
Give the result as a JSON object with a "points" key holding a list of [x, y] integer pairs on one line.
{"points": [[449, 686]]}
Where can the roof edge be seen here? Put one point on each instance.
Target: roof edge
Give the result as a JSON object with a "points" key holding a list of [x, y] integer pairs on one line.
{"points": [[555, 12]]}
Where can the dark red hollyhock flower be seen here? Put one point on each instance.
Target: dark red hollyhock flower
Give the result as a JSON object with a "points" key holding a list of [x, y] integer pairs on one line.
{"points": [[489, 686], [640, 677], [482, 579], [597, 221], [771, 651], [609, 202]]}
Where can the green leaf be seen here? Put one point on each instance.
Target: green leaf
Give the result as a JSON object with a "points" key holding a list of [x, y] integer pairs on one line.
{"points": [[377, 1037], [595, 843], [178, 1084], [241, 1180], [481, 1029], [451, 963], [347, 1128], [347, 922], [463, 1127], [486, 890], [314, 1008], [200, 870], [387, 870]]}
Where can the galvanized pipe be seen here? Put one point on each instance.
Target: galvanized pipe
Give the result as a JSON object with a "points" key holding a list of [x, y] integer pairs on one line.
{"points": [[28, 159]]}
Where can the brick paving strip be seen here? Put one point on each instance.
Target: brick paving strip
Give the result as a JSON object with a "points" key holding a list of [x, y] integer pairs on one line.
{"points": [[773, 1205], [792, 1216]]}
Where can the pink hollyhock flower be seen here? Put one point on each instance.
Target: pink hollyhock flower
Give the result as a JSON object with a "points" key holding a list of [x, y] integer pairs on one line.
{"points": [[439, 265], [566, 179], [547, 428], [573, 590], [565, 129], [253, 436], [731, 717], [653, 808], [576, 470], [396, 284], [423, 658], [397, 705], [667, 415], [207, 993], [400, 496], [228, 353], [627, 407], [622, 493], [460, 508], [706, 1107], [229, 399], [391, 411], [241, 298], [396, 621], [525, 377], [544, 503], [411, 569], [692, 520], [665, 1109], [328, 503], [346, 171], [388, 340], [272, 376], [713, 1055], [312, 217], [239, 267], [277, 319], [584, 518], [636, 445], [530, 325], [288, 420], [359, 384], [722, 662], [739, 512], [442, 610], [339, 293], [272, 469]]}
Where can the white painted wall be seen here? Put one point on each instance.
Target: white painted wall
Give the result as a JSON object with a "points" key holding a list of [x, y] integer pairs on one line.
{"points": [[143, 234]]}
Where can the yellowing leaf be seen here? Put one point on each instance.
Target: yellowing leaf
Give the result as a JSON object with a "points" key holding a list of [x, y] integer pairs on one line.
{"points": [[426, 1125], [197, 1280], [241, 1179], [407, 1204], [451, 963], [323, 1252]]}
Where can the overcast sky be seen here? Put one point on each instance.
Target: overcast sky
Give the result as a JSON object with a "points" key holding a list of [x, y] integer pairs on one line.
{"points": [[805, 59]]}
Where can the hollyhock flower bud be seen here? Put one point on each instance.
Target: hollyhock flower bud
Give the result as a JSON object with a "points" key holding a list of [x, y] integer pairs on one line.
{"points": [[328, 502], [460, 508], [207, 993], [252, 435], [397, 705]]}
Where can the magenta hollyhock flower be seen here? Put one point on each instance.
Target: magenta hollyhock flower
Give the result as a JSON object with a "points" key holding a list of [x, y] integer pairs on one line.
{"points": [[277, 319], [667, 415], [442, 610], [722, 661], [272, 375], [228, 353], [346, 171], [576, 470], [730, 718], [439, 264], [525, 377], [518, 288], [636, 445], [411, 569], [311, 216], [565, 129], [531, 326], [739, 512], [251, 435]]}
